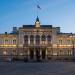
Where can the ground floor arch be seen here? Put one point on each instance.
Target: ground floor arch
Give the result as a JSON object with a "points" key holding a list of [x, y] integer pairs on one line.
{"points": [[37, 53]]}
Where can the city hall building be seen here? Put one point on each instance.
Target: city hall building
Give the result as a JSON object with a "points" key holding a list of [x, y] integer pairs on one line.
{"points": [[37, 41]]}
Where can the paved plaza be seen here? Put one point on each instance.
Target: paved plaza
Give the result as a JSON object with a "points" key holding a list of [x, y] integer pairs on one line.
{"points": [[37, 68]]}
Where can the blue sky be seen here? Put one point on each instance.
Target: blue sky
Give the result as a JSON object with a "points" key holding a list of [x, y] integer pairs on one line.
{"points": [[59, 13]]}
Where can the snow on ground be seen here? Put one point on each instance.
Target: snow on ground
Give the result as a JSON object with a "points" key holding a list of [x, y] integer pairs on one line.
{"points": [[37, 68]]}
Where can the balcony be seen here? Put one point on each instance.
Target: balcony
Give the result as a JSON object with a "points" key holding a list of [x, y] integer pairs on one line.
{"points": [[42, 43]]}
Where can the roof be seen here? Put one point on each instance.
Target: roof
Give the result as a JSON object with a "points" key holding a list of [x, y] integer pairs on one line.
{"points": [[33, 26]]}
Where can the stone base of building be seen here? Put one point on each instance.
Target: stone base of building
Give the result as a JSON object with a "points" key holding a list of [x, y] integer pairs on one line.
{"points": [[35, 59]]}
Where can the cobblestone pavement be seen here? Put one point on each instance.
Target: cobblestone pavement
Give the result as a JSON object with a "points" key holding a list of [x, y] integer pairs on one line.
{"points": [[38, 68]]}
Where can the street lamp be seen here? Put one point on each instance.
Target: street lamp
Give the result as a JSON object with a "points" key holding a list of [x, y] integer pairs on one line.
{"points": [[72, 45]]}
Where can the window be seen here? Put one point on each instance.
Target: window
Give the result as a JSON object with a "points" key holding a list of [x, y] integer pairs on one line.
{"points": [[60, 42], [26, 39], [14, 41], [32, 39], [37, 39], [61, 52], [69, 52], [49, 38], [6, 41], [68, 41], [1, 40], [43, 38]]}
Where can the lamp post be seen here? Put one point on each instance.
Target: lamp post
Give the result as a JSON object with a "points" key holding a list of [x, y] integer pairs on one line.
{"points": [[57, 50], [72, 45]]}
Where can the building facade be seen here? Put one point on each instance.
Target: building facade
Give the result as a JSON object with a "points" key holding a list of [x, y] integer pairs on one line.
{"points": [[37, 42]]}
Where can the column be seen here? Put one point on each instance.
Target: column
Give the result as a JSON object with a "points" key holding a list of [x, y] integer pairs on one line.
{"points": [[46, 54], [28, 39], [34, 40], [28, 54], [40, 53], [40, 39], [46, 40], [34, 54]]}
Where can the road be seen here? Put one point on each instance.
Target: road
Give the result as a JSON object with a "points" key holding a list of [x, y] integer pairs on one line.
{"points": [[38, 68]]}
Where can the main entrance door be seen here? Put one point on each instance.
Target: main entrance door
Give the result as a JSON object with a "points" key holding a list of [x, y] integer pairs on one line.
{"points": [[31, 53], [37, 50], [37, 53], [43, 53]]}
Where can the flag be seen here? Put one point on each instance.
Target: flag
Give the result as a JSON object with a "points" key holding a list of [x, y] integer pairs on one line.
{"points": [[38, 7]]}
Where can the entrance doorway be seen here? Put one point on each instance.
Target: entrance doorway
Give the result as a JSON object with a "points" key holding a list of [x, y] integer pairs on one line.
{"points": [[37, 53], [32, 53], [43, 53]]}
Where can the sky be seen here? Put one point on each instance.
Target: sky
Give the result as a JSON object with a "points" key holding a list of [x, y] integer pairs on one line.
{"points": [[59, 13]]}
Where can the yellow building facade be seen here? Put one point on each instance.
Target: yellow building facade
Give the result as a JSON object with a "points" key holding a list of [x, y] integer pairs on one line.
{"points": [[37, 41]]}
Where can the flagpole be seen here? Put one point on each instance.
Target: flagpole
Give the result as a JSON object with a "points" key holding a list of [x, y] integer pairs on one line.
{"points": [[37, 11], [37, 7]]}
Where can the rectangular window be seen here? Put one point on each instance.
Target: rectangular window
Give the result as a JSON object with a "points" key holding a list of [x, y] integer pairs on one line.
{"points": [[61, 52], [14, 41], [60, 42], [68, 41], [69, 52], [6, 41]]}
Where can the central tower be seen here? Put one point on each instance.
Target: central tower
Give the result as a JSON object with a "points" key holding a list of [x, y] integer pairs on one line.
{"points": [[37, 23]]}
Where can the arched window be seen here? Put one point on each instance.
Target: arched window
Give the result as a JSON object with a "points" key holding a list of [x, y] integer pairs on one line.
{"points": [[32, 39], [43, 38], [26, 39], [49, 38], [37, 39]]}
